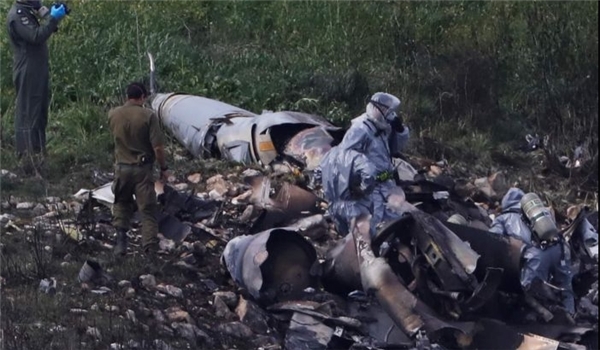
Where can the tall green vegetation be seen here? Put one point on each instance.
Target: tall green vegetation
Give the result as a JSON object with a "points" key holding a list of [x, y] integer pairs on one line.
{"points": [[471, 74]]}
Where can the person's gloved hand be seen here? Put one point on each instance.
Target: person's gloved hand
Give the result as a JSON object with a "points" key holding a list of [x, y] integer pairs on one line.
{"points": [[58, 12], [397, 123]]}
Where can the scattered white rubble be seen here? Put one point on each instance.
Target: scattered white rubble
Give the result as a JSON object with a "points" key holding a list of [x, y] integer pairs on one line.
{"points": [[242, 198], [130, 293], [39, 209], [181, 187], [48, 285], [112, 308], [166, 245], [215, 195], [78, 311], [175, 314], [170, 290], [5, 174], [148, 281], [218, 184], [124, 284], [194, 178], [94, 333], [130, 314], [25, 205], [52, 200], [230, 298]]}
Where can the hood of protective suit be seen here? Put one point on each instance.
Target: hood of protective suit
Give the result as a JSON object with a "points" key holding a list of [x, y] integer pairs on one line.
{"points": [[380, 107], [512, 199]]}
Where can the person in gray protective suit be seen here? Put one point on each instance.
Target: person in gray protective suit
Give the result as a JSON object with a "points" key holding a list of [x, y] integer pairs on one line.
{"points": [[379, 134], [544, 262], [348, 178], [28, 38]]}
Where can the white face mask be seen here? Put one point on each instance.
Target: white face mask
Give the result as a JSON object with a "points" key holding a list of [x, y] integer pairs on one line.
{"points": [[390, 116]]}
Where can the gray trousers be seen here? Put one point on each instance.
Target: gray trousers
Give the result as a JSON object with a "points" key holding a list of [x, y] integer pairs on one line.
{"points": [[550, 265]]}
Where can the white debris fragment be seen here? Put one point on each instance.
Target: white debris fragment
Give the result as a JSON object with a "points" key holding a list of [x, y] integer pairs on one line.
{"points": [[194, 178], [166, 245], [148, 281], [242, 198], [124, 284], [77, 311], [217, 183], [215, 195], [130, 314], [94, 333], [170, 290], [25, 205], [5, 174], [5, 218], [181, 187], [48, 286], [129, 293]]}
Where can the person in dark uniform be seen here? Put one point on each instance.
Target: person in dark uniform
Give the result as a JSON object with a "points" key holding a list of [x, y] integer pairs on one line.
{"points": [[138, 143], [28, 38]]}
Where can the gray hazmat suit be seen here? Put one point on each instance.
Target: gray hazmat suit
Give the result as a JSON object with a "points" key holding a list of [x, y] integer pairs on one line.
{"points": [[31, 77], [348, 178], [372, 135], [552, 262]]}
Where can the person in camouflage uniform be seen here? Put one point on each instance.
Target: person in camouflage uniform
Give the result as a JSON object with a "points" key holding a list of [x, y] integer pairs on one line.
{"points": [[138, 141]]}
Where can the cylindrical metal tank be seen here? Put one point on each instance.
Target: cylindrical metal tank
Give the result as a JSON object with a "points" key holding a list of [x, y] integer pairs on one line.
{"points": [[273, 266], [539, 216]]}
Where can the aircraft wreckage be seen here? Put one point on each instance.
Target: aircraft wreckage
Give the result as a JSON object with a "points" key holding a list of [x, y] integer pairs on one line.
{"points": [[209, 128], [435, 278], [212, 129], [420, 282]]}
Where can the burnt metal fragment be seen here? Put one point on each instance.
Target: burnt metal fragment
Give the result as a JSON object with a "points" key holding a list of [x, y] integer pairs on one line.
{"points": [[213, 129], [496, 251], [274, 265]]}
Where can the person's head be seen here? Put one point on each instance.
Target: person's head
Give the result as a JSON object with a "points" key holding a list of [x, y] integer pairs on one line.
{"points": [[137, 92], [34, 4], [383, 106]]}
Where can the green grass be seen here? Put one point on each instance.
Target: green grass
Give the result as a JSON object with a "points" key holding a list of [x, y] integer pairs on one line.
{"points": [[494, 71]]}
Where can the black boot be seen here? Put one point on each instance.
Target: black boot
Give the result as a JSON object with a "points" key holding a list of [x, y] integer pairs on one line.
{"points": [[121, 247]]}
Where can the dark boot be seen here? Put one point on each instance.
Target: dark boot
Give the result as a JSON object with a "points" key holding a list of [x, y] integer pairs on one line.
{"points": [[121, 247]]}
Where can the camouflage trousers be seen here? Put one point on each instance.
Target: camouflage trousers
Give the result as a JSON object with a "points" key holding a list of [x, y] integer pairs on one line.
{"points": [[136, 180]]}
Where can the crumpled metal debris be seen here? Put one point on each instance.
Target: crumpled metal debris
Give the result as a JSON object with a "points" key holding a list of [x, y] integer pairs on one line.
{"points": [[213, 129], [274, 265], [377, 277], [487, 245], [175, 207], [289, 204], [313, 326], [48, 286], [91, 271]]}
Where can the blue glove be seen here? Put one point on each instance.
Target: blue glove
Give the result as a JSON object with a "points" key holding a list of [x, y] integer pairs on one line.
{"points": [[58, 12]]}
